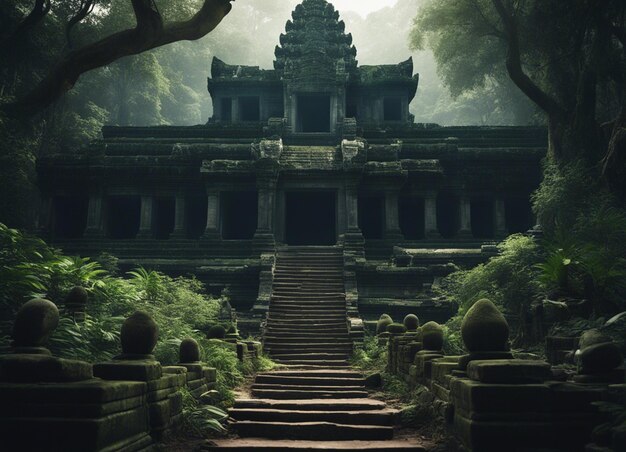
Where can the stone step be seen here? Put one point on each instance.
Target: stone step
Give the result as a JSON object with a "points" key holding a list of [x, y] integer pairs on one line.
{"points": [[287, 333], [311, 292], [316, 364], [330, 327], [267, 445], [307, 340], [314, 431], [311, 297], [309, 388], [328, 373], [320, 343], [378, 417], [312, 404], [304, 325], [295, 355], [305, 394], [309, 380]]}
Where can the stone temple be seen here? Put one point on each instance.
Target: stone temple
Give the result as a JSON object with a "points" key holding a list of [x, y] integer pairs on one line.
{"points": [[318, 155]]}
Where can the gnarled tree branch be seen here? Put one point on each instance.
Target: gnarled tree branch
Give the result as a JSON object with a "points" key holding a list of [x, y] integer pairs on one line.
{"points": [[86, 8], [149, 33], [39, 11], [515, 69]]}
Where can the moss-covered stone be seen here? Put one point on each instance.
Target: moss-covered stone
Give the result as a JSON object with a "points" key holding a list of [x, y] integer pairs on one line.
{"points": [[382, 324], [396, 328], [139, 334], [189, 351], [484, 328], [432, 336], [35, 322], [593, 337], [216, 332], [599, 358], [411, 322]]}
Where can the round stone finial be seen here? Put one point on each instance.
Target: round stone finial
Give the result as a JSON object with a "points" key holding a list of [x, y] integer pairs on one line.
{"points": [[189, 351], [139, 334], [382, 324], [411, 322], [432, 336], [77, 297], [216, 332], [35, 322], [484, 328]]}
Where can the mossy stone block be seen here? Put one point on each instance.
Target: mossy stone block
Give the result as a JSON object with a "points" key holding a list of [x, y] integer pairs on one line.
{"points": [[484, 328], [509, 371], [20, 368]]}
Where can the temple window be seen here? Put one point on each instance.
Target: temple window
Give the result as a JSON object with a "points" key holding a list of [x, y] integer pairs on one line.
{"points": [[411, 213], [123, 214], [392, 109], [249, 108], [164, 211], [313, 113], [226, 109], [518, 214], [482, 217], [239, 212], [70, 216], [448, 219], [372, 216]]}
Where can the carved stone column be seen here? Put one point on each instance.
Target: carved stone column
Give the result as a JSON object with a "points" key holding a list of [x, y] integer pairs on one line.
{"points": [[431, 229], [353, 237], [180, 214], [211, 231], [500, 217], [95, 226], [145, 218], [392, 218], [264, 239], [465, 216]]}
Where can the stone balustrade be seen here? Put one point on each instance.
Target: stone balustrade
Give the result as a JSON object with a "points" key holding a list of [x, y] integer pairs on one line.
{"points": [[493, 402], [126, 404]]}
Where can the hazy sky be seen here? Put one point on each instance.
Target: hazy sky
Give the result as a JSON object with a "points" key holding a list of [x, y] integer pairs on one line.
{"points": [[363, 7]]}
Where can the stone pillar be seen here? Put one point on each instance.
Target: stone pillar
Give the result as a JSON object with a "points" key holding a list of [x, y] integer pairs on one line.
{"points": [[431, 230], [465, 216], [145, 218], [392, 220], [353, 237], [95, 227], [179, 217], [264, 239], [212, 218], [499, 212]]}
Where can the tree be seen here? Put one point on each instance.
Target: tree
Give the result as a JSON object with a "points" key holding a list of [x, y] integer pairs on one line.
{"points": [[150, 31], [567, 57]]}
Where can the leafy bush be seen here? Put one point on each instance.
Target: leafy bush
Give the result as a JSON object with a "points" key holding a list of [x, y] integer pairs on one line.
{"points": [[371, 357]]}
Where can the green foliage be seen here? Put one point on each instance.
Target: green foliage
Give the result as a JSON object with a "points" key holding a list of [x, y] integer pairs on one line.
{"points": [[371, 357], [201, 420]]}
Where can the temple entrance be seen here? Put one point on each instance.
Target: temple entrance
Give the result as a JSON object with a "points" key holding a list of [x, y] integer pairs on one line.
{"points": [[310, 218], [313, 113]]}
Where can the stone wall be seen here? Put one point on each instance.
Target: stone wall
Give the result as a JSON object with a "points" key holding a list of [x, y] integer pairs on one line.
{"points": [[126, 404], [492, 402]]}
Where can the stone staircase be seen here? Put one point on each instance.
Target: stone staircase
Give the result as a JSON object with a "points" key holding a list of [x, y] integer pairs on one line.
{"points": [[316, 402], [306, 325]]}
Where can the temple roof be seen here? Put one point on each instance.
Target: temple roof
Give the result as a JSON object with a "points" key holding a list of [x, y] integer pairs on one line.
{"points": [[221, 70]]}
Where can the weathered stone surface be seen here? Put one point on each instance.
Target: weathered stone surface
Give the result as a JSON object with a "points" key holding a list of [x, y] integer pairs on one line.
{"points": [[481, 356], [509, 371], [373, 381], [22, 368], [216, 332], [599, 358], [77, 298], [396, 329], [34, 323], [432, 336], [411, 322], [593, 337], [484, 328], [139, 334], [133, 370], [382, 324], [189, 351]]}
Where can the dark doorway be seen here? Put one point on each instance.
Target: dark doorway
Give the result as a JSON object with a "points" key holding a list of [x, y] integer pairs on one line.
{"points": [[164, 213], [123, 214], [411, 213], [448, 220], [519, 215], [249, 108], [372, 216], [310, 218], [70, 216], [196, 216], [313, 113], [227, 109], [392, 107], [482, 214], [239, 212]]}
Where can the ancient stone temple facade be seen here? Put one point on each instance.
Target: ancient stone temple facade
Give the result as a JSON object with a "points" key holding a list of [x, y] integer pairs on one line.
{"points": [[318, 151]]}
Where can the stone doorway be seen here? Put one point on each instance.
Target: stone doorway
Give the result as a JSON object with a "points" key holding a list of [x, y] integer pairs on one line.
{"points": [[313, 113], [311, 218]]}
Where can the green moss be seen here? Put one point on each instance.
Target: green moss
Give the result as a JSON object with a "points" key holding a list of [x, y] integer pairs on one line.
{"points": [[396, 328]]}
